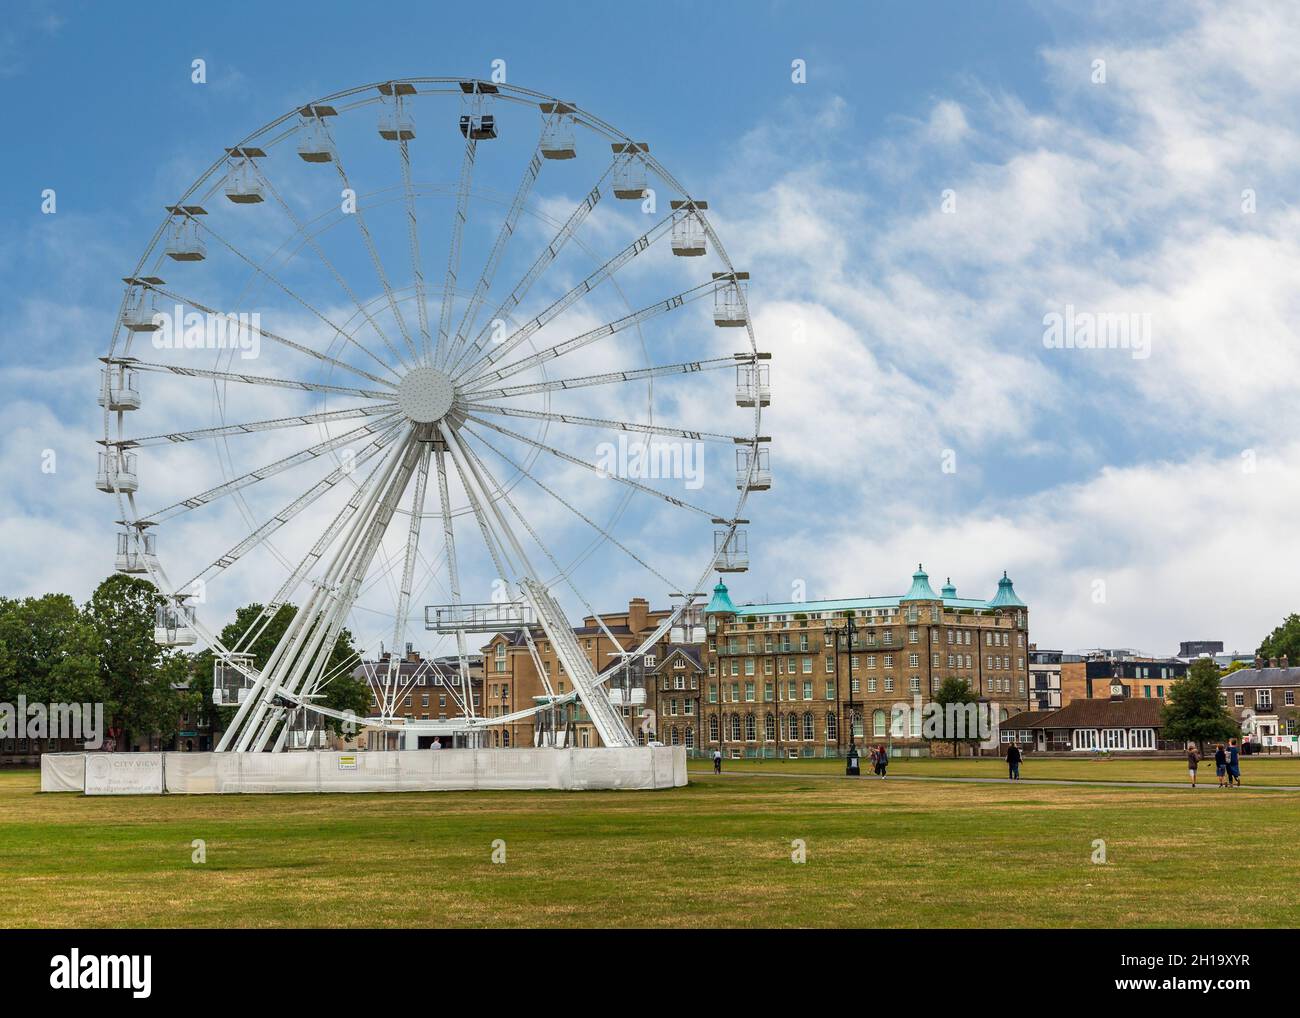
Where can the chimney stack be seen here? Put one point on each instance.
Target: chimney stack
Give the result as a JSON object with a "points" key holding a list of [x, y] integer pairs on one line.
{"points": [[1284, 661], [1272, 662], [1259, 662]]}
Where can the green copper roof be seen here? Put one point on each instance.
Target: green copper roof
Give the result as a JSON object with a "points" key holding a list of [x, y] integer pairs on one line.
{"points": [[721, 601], [1006, 595], [921, 589]]}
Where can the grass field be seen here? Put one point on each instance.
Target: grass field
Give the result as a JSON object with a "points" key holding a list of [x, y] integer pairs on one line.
{"points": [[1255, 770], [716, 853]]}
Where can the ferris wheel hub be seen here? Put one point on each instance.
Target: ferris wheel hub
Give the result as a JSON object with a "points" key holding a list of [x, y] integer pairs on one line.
{"points": [[425, 395]]}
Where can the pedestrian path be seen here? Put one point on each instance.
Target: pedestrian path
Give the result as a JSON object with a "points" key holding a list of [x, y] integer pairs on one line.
{"points": [[1004, 781]]}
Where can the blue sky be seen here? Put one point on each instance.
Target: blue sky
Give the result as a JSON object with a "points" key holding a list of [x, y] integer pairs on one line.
{"points": [[918, 414]]}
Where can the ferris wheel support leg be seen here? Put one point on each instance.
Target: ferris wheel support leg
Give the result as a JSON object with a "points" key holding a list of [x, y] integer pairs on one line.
{"points": [[613, 732], [297, 649], [304, 680]]}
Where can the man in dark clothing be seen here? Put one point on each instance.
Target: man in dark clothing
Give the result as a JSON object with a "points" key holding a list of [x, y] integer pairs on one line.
{"points": [[1220, 764], [1013, 762], [1234, 764]]}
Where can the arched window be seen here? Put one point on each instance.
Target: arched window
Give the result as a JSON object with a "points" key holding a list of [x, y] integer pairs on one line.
{"points": [[878, 723], [792, 727], [672, 736], [505, 738], [735, 728], [809, 732], [690, 736], [769, 728], [751, 731], [1002, 714], [713, 728], [832, 727]]}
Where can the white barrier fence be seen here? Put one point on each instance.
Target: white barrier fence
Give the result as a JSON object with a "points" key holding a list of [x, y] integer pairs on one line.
{"points": [[398, 771]]}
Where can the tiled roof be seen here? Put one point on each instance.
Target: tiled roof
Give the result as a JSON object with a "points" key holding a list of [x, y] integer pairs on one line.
{"points": [[1261, 677], [690, 651], [1027, 719], [1138, 712]]}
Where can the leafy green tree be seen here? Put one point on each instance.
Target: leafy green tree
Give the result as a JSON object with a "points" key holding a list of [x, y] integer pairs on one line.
{"points": [[956, 691], [137, 673], [1285, 639], [1194, 710], [1237, 666], [48, 652], [342, 693]]}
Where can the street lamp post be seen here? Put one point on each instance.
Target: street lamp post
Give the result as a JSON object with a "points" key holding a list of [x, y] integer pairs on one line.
{"points": [[833, 635]]}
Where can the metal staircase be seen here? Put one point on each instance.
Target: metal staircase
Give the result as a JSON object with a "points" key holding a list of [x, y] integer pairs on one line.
{"points": [[609, 723]]}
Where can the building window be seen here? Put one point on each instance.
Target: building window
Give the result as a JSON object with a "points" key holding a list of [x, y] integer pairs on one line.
{"points": [[713, 727], [809, 733], [1289, 697], [751, 734], [878, 723], [832, 727], [1264, 698], [769, 728]]}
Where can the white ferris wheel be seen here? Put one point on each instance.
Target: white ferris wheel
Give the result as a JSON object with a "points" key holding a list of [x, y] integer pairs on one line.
{"points": [[429, 356]]}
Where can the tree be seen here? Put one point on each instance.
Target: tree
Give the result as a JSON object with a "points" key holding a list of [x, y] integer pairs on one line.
{"points": [[955, 692], [48, 652], [137, 674], [341, 692], [1194, 710], [1237, 666], [1284, 640]]}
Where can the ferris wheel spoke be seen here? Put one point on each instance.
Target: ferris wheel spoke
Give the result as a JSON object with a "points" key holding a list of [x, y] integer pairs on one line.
{"points": [[493, 262], [270, 470], [608, 425], [412, 546], [453, 564], [535, 271], [594, 335], [560, 571], [515, 465], [604, 272], [604, 378], [316, 312], [292, 509], [413, 241], [369, 242], [285, 342], [252, 427], [458, 218], [568, 458], [310, 240], [232, 376]]}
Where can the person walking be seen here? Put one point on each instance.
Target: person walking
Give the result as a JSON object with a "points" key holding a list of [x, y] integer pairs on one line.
{"points": [[1234, 764], [717, 761], [1193, 759], [1220, 764], [883, 762], [1013, 762]]}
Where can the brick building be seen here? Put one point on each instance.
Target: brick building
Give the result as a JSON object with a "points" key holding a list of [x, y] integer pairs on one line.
{"points": [[781, 679], [1092, 674], [1263, 699], [513, 682]]}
